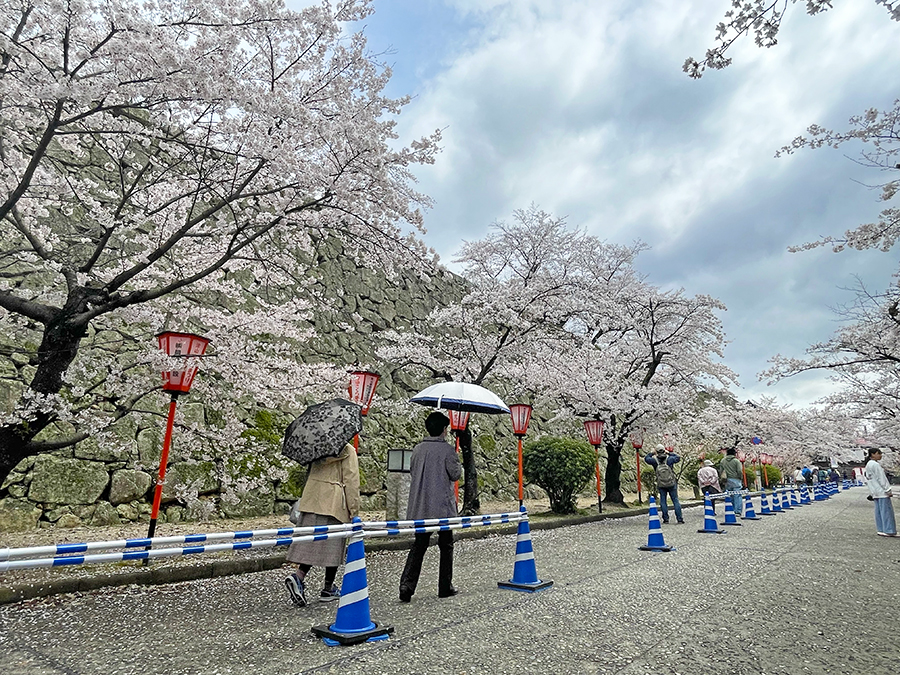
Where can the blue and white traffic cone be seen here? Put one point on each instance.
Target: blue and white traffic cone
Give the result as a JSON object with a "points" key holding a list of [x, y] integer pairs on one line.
{"points": [[710, 526], [818, 496], [785, 502], [730, 518], [764, 509], [353, 623], [795, 500], [655, 541], [749, 512], [804, 496], [525, 576], [776, 503]]}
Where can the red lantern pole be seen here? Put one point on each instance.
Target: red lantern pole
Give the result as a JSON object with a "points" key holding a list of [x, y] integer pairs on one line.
{"points": [[176, 382], [163, 462], [459, 420], [594, 429], [521, 416], [742, 458]]}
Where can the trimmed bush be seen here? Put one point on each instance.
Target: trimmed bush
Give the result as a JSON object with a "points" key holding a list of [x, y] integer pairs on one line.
{"points": [[561, 466]]}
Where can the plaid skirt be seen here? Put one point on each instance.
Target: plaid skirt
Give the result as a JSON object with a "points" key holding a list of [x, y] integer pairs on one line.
{"points": [[325, 553]]}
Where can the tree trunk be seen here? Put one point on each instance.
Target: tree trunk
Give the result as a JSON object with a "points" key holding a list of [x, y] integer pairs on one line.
{"points": [[613, 475], [59, 346], [471, 504]]}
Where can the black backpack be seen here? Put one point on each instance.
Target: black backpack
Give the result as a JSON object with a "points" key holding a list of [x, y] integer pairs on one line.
{"points": [[665, 476]]}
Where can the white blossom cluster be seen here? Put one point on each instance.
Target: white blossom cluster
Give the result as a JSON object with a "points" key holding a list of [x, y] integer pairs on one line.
{"points": [[171, 164]]}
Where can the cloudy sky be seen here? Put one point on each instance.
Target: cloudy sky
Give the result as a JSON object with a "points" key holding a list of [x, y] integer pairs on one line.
{"points": [[581, 107]]}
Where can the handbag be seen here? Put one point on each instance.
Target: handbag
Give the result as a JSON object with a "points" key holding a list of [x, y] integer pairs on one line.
{"points": [[296, 514]]}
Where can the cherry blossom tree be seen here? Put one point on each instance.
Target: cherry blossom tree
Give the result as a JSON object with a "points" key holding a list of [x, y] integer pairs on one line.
{"points": [[863, 357], [173, 165], [762, 19], [531, 281], [638, 366], [863, 354]]}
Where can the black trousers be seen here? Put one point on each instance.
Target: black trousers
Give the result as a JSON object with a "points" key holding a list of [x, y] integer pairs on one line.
{"points": [[413, 568]]}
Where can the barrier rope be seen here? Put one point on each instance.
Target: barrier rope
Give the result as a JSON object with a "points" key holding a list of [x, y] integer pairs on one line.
{"points": [[61, 554]]}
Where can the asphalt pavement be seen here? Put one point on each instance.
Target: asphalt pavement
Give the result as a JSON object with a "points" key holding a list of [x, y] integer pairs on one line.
{"points": [[812, 590]]}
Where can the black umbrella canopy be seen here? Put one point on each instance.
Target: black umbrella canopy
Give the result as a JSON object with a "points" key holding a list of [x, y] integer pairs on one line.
{"points": [[322, 430]]}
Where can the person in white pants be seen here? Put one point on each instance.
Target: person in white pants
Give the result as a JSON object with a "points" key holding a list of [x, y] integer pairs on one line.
{"points": [[880, 493]]}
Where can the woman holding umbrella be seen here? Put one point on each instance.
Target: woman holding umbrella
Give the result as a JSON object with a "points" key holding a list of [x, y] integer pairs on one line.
{"points": [[330, 497]]}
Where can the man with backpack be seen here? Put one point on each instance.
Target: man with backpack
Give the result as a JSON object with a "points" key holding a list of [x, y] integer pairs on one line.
{"points": [[666, 480]]}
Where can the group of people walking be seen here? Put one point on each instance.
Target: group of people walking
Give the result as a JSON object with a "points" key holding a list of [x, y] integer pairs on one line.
{"points": [[331, 497]]}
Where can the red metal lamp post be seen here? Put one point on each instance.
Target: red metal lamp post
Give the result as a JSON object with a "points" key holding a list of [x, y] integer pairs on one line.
{"points": [[742, 457], [187, 346], [594, 430], [361, 392], [459, 420], [521, 416], [637, 442], [765, 459]]}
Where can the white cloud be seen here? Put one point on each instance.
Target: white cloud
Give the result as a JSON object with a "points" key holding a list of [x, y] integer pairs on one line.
{"points": [[582, 107]]}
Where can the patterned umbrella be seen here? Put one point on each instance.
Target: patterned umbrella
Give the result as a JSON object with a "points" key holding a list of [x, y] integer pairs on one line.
{"points": [[322, 430]]}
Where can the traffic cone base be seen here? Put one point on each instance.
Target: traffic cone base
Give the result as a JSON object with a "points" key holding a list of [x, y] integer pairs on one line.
{"points": [[353, 623], [655, 541], [525, 577], [335, 639]]}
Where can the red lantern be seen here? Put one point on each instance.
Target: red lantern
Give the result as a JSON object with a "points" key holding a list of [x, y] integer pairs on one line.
{"points": [[742, 456], [362, 388], [186, 345], [521, 416], [594, 429], [459, 420]]}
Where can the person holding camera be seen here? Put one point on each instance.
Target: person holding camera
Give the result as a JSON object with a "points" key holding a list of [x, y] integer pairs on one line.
{"points": [[666, 480]]}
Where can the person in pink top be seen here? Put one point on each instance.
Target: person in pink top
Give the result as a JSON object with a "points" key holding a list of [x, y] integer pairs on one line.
{"points": [[708, 479]]}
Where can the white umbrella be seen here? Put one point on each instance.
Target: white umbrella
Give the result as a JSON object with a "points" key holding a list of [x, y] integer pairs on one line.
{"points": [[461, 396]]}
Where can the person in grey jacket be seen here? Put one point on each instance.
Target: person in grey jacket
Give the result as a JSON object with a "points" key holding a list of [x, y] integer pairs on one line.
{"points": [[433, 470]]}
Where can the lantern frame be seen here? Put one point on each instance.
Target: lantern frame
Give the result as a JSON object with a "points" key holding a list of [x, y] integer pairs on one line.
{"points": [[459, 419], [594, 431], [520, 413], [361, 389], [187, 346]]}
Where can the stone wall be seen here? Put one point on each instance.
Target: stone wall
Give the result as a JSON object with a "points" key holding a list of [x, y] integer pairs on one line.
{"points": [[89, 484]]}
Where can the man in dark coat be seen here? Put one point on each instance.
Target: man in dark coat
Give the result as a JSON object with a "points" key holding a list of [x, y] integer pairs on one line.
{"points": [[433, 470]]}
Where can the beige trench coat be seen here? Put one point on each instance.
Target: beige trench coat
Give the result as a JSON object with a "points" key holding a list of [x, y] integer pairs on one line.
{"points": [[332, 488]]}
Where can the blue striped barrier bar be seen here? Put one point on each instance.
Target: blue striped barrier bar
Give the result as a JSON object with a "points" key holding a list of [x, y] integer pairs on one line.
{"points": [[464, 521], [29, 558], [64, 549], [151, 554], [393, 532]]}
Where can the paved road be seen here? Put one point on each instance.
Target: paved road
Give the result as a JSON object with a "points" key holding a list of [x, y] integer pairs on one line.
{"points": [[807, 591]]}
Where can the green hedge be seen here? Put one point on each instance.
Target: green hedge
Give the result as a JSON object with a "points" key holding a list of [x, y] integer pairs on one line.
{"points": [[561, 466]]}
